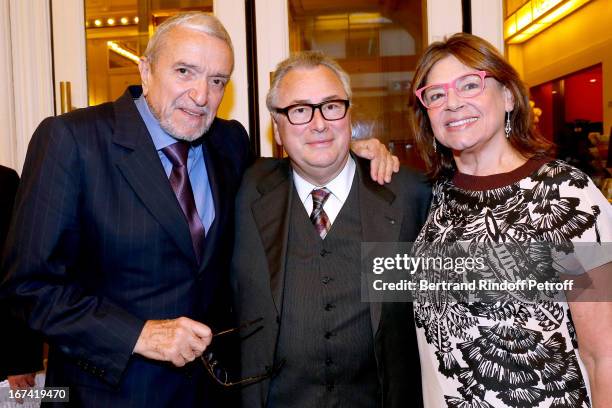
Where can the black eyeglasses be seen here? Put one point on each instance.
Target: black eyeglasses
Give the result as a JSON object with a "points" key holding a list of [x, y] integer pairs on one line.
{"points": [[302, 113], [220, 375]]}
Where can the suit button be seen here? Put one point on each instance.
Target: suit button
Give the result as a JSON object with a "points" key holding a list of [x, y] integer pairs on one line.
{"points": [[329, 307], [328, 335], [329, 361], [326, 280], [329, 387], [324, 252]]}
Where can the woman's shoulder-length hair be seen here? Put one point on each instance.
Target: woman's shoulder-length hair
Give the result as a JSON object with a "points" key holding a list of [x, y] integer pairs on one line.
{"points": [[479, 54]]}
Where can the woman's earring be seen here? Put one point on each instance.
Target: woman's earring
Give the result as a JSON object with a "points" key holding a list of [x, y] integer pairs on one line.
{"points": [[508, 127], [435, 145]]}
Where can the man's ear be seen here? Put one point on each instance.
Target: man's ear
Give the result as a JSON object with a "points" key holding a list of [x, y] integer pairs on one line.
{"points": [[144, 66], [508, 100], [277, 137]]}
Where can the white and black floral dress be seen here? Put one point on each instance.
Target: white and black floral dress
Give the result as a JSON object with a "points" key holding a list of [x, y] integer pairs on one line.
{"points": [[508, 353]]}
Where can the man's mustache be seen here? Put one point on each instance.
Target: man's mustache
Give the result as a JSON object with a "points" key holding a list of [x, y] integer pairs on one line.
{"points": [[195, 110]]}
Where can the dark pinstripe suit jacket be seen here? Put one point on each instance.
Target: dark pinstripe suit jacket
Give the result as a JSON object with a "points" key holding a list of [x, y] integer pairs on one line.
{"points": [[99, 244]]}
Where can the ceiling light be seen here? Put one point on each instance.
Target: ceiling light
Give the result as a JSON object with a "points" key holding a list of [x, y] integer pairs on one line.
{"points": [[113, 46], [536, 16]]}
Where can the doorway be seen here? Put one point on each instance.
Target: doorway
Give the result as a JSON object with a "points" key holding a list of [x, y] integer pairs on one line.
{"points": [[96, 45]]}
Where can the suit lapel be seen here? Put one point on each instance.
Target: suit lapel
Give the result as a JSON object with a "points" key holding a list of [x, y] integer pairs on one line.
{"points": [[214, 168], [271, 213], [139, 163], [380, 221]]}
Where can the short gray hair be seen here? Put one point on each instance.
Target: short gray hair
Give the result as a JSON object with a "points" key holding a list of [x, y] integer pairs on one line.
{"points": [[305, 59], [194, 20]]}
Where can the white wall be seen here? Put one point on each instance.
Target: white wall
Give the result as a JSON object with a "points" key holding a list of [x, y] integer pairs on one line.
{"points": [[444, 19], [487, 21], [69, 54], [272, 47], [235, 102]]}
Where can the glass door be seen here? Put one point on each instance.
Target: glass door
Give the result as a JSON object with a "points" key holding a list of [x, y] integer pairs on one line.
{"points": [[378, 43], [117, 33], [97, 44]]}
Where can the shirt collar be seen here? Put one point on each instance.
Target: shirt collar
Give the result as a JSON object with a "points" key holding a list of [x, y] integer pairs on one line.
{"points": [[160, 138], [340, 186]]}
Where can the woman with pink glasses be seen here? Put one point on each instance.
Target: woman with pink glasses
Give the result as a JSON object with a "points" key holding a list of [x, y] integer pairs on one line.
{"points": [[497, 192]]}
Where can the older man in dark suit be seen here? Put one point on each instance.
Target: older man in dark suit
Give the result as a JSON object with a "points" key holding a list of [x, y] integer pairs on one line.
{"points": [[123, 227], [299, 227]]}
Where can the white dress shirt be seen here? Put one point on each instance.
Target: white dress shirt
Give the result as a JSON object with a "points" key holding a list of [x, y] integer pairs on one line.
{"points": [[339, 187]]}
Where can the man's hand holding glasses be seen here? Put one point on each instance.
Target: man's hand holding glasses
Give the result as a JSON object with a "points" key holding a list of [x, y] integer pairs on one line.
{"points": [[178, 341]]}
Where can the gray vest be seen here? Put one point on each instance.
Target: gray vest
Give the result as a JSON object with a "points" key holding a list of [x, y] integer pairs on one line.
{"points": [[325, 330]]}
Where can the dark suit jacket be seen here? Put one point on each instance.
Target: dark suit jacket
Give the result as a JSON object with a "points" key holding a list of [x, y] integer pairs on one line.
{"points": [[99, 245], [394, 212], [20, 349], [9, 181]]}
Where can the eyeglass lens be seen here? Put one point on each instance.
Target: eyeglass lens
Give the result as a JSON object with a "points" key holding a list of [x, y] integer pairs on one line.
{"points": [[467, 86], [302, 114], [212, 365], [220, 375]]}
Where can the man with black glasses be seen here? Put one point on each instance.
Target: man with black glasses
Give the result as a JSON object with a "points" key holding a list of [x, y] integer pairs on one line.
{"points": [[299, 227]]}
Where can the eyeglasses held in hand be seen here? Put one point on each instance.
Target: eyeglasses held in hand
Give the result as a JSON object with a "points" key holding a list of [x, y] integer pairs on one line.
{"points": [[302, 113], [465, 86], [220, 375]]}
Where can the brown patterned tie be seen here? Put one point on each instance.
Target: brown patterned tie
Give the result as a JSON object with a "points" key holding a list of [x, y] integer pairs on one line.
{"points": [[318, 216], [177, 153]]}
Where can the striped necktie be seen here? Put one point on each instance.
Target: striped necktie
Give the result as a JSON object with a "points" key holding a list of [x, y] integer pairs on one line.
{"points": [[318, 216], [177, 153]]}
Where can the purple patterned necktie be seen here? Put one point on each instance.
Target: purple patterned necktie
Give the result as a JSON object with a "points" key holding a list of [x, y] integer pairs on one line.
{"points": [[318, 216], [177, 153]]}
